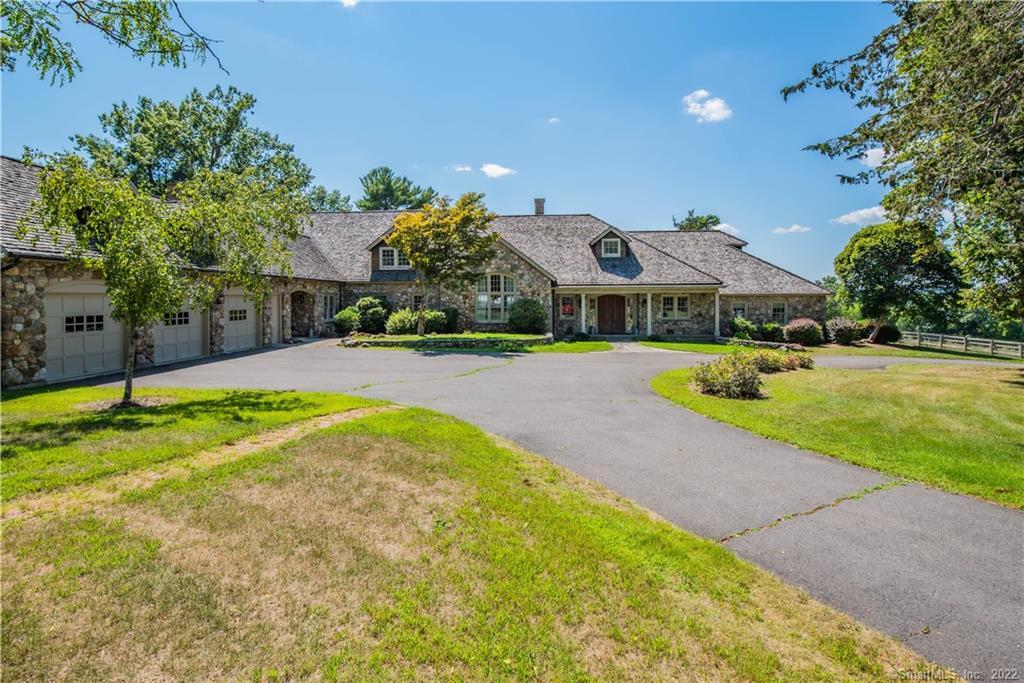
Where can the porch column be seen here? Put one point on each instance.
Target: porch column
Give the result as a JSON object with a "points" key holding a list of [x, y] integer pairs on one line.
{"points": [[718, 331], [648, 314], [583, 313]]}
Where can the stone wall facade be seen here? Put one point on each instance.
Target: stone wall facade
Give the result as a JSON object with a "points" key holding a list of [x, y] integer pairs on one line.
{"points": [[318, 316], [759, 307], [698, 322], [530, 283]]}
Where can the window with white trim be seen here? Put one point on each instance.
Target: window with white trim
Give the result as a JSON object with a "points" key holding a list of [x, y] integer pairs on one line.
{"points": [[675, 307], [494, 294], [739, 310], [330, 306], [779, 313], [392, 259], [567, 306], [611, 247]]}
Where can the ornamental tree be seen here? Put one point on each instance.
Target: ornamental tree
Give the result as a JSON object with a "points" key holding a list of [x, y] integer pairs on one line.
{"points": [[446, 244], [222, 229], [896, 268]]}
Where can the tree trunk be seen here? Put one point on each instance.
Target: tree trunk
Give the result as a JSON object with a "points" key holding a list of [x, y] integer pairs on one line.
{"points": [[878, 327], [421, 321], [129, 369]]}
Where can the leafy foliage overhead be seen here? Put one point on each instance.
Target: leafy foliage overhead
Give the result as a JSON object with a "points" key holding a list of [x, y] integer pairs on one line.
{"points": [[694, 221], [943, 89], [150, 29], [385, 191]]}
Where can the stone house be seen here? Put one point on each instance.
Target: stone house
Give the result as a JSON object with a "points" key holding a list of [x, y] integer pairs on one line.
{"points": [[589, 275]]}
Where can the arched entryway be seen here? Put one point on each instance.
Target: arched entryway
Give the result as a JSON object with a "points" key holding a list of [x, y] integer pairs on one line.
{"points": [[611, 314], [303, 307]]}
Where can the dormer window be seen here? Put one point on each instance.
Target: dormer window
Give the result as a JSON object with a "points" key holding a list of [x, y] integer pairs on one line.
{"points": [[611, 247], [392, 259]]}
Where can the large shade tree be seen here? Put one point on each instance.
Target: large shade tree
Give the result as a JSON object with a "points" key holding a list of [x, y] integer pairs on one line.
{"points": [[695, 221], [446, 244], [893, 268], [384, 190], [943, 89], [156, 30]]}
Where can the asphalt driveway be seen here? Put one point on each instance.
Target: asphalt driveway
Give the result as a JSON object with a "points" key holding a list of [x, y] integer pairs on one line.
{"points": [[943, 572]]}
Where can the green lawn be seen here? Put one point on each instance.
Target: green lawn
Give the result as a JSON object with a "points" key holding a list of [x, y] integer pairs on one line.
{"points": [[571, 347], [54, 438], [957, 427], [895, 350], [403, 545], [500, 336]]}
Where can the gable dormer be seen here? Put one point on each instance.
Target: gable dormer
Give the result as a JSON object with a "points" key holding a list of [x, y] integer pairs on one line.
{"points": [[384, 257], [611, 244]]}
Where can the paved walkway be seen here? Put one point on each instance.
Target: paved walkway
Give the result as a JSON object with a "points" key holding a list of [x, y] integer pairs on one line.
{"points": [[945, 573]]}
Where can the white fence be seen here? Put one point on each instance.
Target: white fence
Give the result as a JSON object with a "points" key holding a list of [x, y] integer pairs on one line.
{"points": [[950, 342]]}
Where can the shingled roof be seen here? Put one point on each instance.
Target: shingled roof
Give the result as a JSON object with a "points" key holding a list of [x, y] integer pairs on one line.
{"points": [[334, 247]]}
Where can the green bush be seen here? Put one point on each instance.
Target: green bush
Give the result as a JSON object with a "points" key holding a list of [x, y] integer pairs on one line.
{"points": [[435, 322], [889, 334], [451, 319], [772, 332], [510, 346], [402, 321], [732, 376], [803, 331], [804, 360], [743, 328], [373, 314], [346, 321], [527, 316], [767, 361], [843, 331]]}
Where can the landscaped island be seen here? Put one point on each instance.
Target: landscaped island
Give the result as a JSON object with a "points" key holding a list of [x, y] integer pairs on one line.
{"points": [[394, 543]]}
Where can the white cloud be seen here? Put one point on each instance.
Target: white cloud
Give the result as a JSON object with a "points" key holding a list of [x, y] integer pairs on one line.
{"points": [[462, 168], [708, 109], [725, 227], [873, 158], [791, 230], [496, 171], [554, 121], [349, 3], [869, 216]]}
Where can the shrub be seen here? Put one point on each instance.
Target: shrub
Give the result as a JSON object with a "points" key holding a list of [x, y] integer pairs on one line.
{"points": [[732, 376], [373, 314], [804, 360], [767, 361], [888, 334], [451, 319], [346, 321], [435, 322], [743, 328], [510, 346], [843, 331], [803, 331], [581, 336], [402, 321], [772, 332], [790, 361], [527, 316]]}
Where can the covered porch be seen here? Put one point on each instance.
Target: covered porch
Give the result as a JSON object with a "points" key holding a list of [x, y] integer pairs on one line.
{"points": [[637, 311]]}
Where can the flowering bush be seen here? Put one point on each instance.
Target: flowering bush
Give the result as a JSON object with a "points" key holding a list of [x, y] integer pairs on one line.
{"points": [[768, 361], [732, 376], [803, 331], [843, 330]]}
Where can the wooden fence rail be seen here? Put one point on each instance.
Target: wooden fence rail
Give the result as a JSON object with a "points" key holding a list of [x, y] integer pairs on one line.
{"points": [[952, 342]]}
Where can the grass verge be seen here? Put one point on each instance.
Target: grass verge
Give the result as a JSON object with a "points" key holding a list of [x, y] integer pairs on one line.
{"points": [[956, 427], [404, 545], [894, 350], [58, 437]]}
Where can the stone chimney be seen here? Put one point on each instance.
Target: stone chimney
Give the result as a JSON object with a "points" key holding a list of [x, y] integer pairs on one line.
{"points": [[538, 206]]}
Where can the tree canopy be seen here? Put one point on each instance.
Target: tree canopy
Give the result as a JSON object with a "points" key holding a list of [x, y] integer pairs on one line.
{"points": [[943, 88], [891, 268], [149, 29], [695, 221], [446, 243], [384, 190]]}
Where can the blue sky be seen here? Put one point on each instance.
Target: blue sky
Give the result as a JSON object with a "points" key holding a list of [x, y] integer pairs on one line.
{"points": [[583, 104]]}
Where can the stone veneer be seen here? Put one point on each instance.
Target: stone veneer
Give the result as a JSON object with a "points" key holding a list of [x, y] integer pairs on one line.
{"points": [[530, 284], [759, 307], [700, 321]]}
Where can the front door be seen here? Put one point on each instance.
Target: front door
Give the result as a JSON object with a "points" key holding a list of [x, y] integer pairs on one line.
{"points": [[611, 314]]}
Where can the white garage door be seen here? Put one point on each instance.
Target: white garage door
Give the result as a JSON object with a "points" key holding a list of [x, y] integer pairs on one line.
{"points": [[81, 336], [179, 336], [239, 323]]}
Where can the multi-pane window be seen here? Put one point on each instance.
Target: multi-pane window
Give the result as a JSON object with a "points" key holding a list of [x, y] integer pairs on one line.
{"points": [[779, 313], [739, 310], [567, 306], [417, 302], [179, 318], [83, 323], [494, 294], [611, 247], [236, 315], [675, 307], [330, 306], [392, 259]]}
